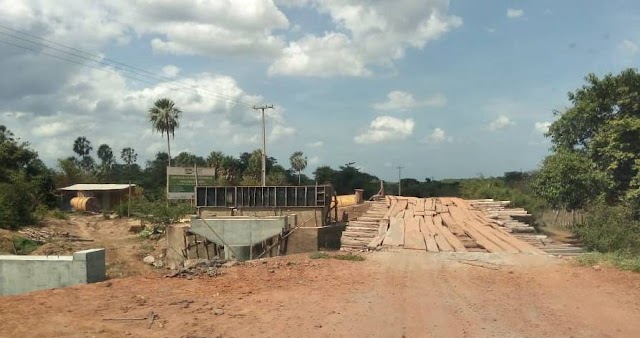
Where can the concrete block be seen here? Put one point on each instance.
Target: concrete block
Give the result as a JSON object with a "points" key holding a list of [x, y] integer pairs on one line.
{"points": [[20, 274]]}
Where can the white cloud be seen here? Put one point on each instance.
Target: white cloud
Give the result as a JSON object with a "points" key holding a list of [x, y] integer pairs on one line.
{"points": [[185, 27], [629, 47], [100, 104], [325, 56], [501, 122], [170, 71], [438, 135], [436, 100], [316, 144], [403, 101], [366, 34], [292, 3], [542, 127], [490, 29], [386, 128], [513, 13], [48, 128], [396, 101], [280, 131]]}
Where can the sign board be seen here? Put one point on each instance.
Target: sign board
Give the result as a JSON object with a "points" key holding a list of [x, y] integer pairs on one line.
{"points": [[181, 181]]}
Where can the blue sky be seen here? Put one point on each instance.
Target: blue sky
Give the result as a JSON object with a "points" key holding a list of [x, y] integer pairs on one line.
{"points": [[445, 89]]}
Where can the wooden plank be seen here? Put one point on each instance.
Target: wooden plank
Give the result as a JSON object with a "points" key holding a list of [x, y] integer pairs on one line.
{"points": [[382, 231], [459, 217], [429, 204], [413, 238], [439, 236], [395, 234], [446, 231], [483, 235], [519, 245], [429, 240], [438, 206], [400, 206]]}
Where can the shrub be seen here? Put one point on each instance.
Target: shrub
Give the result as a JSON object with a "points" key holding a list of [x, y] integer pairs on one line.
{"points": [[24, 246], [40, 213], [610, 228], [158, 214], [349, 257], [319, 255], [622, 261], [16, 206], [59, 214]]}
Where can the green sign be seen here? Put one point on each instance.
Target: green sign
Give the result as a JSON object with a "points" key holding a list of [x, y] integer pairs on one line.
{"points": [[182, 181], [186, 183]]}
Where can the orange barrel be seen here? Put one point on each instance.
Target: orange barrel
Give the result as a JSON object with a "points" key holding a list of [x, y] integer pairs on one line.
{"points": [[81, 204], [346, 200]]}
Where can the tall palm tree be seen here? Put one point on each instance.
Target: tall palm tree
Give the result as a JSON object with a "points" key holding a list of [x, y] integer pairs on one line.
{"points": [[164, 116], [105, 154], [83, 148], [128, 155], [298, 162], [214, 160]]}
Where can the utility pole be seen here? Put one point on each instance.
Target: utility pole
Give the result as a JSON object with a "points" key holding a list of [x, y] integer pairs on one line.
{"points": [[399, 180], [264, 143]]}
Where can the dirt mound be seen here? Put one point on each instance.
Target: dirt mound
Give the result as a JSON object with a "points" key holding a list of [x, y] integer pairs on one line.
{"points": [[6, 242]]}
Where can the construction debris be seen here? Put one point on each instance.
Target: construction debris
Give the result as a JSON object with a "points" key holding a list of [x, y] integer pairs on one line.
{"points": [[201, 267], [43, 236]]}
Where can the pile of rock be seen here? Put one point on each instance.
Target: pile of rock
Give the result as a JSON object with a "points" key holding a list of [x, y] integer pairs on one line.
{"points": [[201, 267]]}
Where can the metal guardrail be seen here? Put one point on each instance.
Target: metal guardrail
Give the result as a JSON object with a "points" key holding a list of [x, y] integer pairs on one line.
{"points": [[256, 196]]}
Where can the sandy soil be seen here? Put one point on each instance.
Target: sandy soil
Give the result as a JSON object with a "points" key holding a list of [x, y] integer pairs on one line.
{"points": [[391, 294]]}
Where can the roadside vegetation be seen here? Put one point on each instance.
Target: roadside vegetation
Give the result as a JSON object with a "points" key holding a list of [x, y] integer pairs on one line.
{"points": [[342, 257]]}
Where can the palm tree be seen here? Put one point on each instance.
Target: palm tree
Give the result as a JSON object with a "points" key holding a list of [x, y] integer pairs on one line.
{"points": [[128, 155], [105, 154], [82, 147], [214, 160], [164, 116], [298, 163]]}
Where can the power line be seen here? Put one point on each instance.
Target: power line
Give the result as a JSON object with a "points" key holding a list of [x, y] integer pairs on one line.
{"points": [[106, 62]]}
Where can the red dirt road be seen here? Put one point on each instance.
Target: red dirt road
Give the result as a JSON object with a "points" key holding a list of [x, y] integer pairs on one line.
{"points": [[391, 294]]}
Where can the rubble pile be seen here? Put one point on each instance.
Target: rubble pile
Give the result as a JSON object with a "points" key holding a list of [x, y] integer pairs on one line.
{"points": [[201, 267]]}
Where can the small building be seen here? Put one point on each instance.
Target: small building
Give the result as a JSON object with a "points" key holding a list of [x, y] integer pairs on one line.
{"points": [[107, 196]]}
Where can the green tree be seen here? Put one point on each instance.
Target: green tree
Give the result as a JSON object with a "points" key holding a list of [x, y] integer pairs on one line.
{"points": [[83, 148], [298, 163], [164, 117], [569, 180], [128, 156], [5, 134], [185, 159], [214, 160], [604, 123]]}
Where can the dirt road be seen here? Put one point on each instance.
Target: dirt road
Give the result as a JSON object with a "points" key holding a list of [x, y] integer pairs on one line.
{"points": [[391, 294]]}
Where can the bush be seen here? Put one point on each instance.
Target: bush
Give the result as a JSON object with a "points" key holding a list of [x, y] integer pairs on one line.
{"points": [[319, 255], [40, 213], [16, 206], [622, 261], [156, 213], [59, 214], [610, 228], [24, 246], [349, 257]]}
